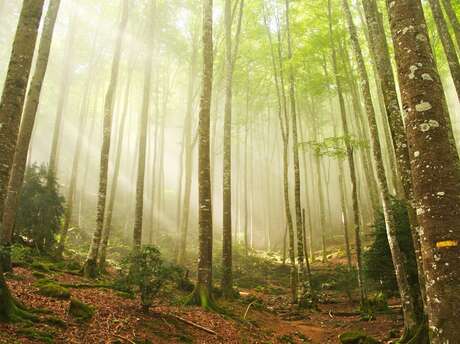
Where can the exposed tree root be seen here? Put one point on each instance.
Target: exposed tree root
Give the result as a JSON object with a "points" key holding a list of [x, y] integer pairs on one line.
{"points": [[90, 269], [203, 298], [415, 336]]}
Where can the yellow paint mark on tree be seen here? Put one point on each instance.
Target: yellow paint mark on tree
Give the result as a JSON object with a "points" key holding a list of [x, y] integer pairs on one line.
{"points": [[447, 243]]}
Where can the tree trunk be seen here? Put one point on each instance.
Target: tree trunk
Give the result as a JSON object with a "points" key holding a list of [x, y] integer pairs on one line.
{"points": [[26, 129], [378, 43], [75, 169], [202, 294], [143, 126], [453, 20], [434, 167], [399, 260], [351, 165], [447, 43], [90, 268], [64, 94], [14, 89]]}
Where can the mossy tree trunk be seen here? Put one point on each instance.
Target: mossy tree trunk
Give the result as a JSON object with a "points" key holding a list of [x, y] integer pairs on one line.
{"points": [[453, 20], [26, 129], [14, 89]]}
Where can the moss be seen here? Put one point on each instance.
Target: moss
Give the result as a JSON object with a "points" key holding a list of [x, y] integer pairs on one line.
{"points": [[54, 290], [126, 295], [39, 275], [356, 338], [32, 333], [80, 310], [202, 297], [55, 321], [40, 266]]}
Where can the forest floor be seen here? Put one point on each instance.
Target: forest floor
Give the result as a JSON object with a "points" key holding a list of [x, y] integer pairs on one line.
{"points": [[260, 315]]}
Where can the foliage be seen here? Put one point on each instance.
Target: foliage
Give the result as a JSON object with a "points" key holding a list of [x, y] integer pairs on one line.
{"points": [[335, 146], [378, 264], [40, 209], [145, 270]]}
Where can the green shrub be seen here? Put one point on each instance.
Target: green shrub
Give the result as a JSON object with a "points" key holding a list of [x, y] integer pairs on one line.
{"points": [[144, 270], [378, 264], [40, 209]]}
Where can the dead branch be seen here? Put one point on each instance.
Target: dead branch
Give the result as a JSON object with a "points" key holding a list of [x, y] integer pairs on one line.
{"points": [[188, 322]]}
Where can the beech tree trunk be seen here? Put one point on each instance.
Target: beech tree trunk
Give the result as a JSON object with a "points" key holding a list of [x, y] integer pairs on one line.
{"points": [[143, 126], [114, 182], [188, 148], [447, 43], [399, 260], [90, 268], [26, 129], [379, 45], [14, 89], [435, 167], [202, 294], [64, 94], [351, 165]]}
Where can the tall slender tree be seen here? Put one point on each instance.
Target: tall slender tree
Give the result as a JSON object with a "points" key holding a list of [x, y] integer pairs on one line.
{"points": [[90, 267], [64, 93], [26, 127], [435, 166], [447, 43], [11, 104], [202, 294], [351, 164], [143, 126], [453, 20], [231, 52]]}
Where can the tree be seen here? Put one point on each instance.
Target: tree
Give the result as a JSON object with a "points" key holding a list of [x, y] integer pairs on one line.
{"points": [[230, 59], [90, 267], [64, 94], [447, 43], [143, 125], [435, 166], [351, 164], [453, 20], [26, 127], [202, 294], [379, 45], [14, 89]]}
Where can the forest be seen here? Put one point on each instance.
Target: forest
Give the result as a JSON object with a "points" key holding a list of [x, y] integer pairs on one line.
{"points": [[230, 171]]}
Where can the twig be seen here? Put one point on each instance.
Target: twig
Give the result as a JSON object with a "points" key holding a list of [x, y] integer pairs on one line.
{"points": [[188, 322], [330, 314], [247, 309], [124, 338]]}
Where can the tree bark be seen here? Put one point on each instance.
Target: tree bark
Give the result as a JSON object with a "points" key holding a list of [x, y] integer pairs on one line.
{"points": [[202, 294], [14, 89], [434, 166], [90, 267], [26, 129], [399, 260], [379, 45]]}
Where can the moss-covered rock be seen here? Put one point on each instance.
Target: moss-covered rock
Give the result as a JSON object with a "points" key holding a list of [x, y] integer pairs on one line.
{"points": [[54, 290], [80, 310], [356, 338]]}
